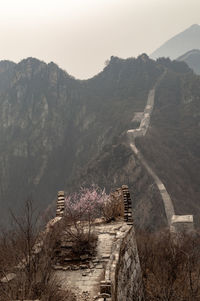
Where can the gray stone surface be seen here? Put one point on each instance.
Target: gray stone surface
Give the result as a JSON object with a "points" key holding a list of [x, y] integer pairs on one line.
{"points": [[8, 277], [182, 223], [141, 131], [127, 270], [89, 280]]}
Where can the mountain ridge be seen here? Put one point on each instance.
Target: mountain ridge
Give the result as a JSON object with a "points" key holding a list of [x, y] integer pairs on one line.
{"points": [[51, 124], [61, 133], [192, 59], [179, 44]]}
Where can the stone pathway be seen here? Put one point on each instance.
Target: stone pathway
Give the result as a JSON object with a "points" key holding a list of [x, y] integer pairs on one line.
{"points": [[168, 205], [141, 131], [85, 280]]}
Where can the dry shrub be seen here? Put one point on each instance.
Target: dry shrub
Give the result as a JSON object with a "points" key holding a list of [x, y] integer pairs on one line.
{"points": [[85, 245], [8, 243], [114, 206], [52, 292], [81, 209], [34, 251], [79, 237], [170, 267]]}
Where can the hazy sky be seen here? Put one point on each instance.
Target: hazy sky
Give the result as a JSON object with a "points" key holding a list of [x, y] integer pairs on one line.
{"points": [[79, 35]]}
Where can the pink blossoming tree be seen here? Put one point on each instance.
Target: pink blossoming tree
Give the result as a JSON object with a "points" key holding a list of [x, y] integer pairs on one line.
{"points": [[85, 205], [81, 209]]}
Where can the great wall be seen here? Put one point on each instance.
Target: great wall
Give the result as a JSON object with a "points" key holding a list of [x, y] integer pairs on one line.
{"points": [[114, 273], [175, 222]]}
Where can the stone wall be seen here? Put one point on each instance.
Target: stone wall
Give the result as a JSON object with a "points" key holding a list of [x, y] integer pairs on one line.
{"points": [[128, 277], [123, 278], [182, 223]]}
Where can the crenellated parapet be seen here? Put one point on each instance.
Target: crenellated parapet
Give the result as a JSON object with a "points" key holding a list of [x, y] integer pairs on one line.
{"points": [[128, 214], [60, 204]]}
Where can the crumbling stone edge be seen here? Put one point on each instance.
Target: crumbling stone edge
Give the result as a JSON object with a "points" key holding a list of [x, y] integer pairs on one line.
{"points": [[123, 276]]}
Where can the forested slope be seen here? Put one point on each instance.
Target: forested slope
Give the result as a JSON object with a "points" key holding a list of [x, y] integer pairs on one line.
{"points": [[52, 125], [57, 132]]}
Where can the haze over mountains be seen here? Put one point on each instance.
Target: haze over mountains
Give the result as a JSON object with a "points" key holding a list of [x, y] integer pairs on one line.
{"points": [[184, 46], [192, 59], [59, 133], [179, 44], [51, 125]]}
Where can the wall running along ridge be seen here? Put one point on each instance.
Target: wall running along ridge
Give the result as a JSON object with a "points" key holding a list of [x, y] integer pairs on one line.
{"points": [[176, 223]]}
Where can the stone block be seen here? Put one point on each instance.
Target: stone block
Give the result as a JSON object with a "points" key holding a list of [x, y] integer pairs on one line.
{"points": [[8, 278], [61, 193], [105, 287], [126, 256], [129, 262], [182, 223]]}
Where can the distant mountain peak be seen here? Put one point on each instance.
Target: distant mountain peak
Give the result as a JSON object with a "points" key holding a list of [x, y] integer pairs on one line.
{"points": [[31, 60], [193, 51], [181, 43], [192, 59], [6, 64], [194, 26]]}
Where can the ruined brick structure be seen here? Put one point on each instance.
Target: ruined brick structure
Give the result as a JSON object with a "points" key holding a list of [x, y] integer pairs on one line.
{"points": [[128, 218], [60, 204], [114, 272]]}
